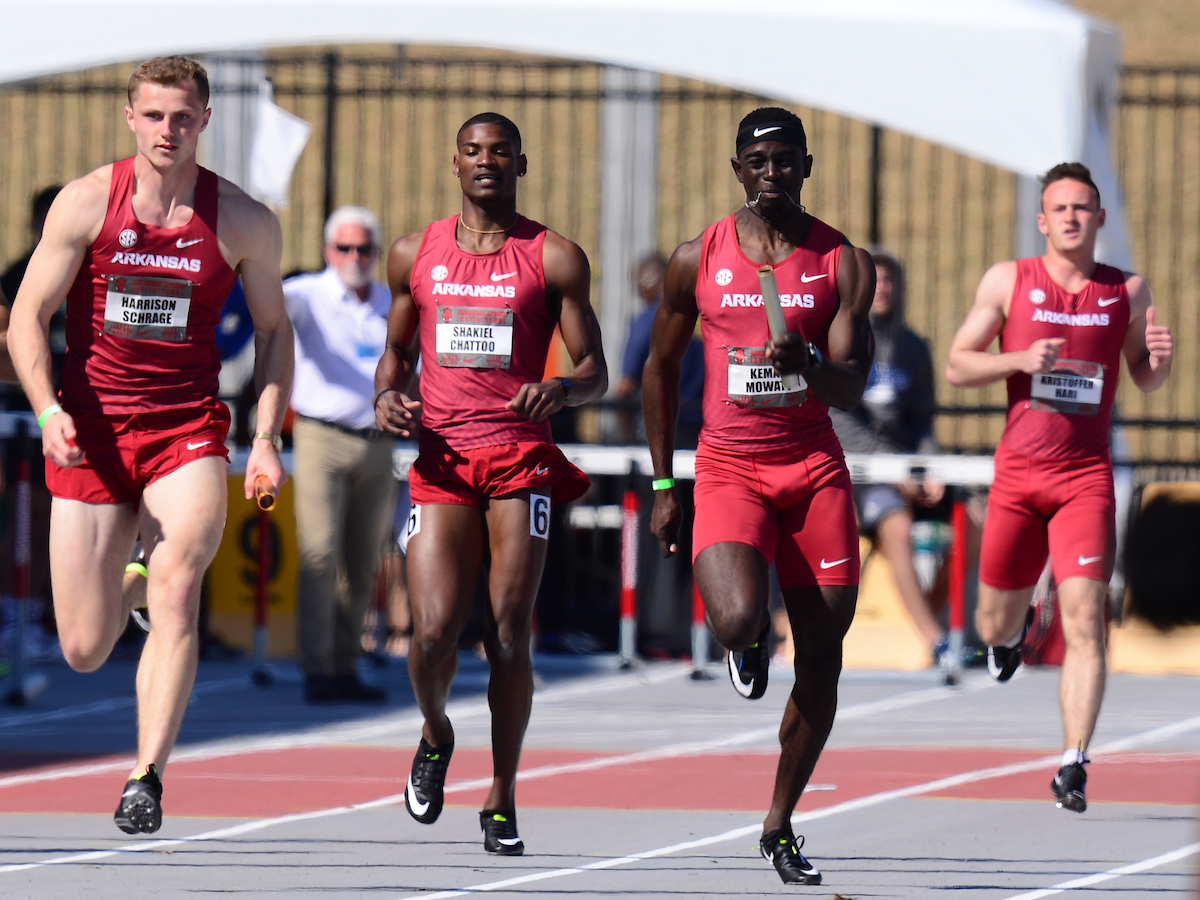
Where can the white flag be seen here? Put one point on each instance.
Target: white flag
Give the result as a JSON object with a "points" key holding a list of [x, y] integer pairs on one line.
{"points": [[279, 138]]}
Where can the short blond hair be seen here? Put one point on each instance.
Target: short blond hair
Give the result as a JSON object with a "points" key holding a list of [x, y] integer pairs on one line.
{"points": [[167, 71]]}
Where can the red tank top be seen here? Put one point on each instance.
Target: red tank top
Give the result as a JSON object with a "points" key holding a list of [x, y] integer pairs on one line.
{"points": [[745, 405], [1065, 414], [485, 331], [143, 311]]}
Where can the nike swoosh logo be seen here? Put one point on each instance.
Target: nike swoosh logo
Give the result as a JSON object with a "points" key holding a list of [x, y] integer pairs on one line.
{"points": [[198, 445], [181, 243], [500, 276], [1088, 560], [759, 132], [1109, 302], [541, 470], [509, 842], [411, 793], [806, 278], [836, 562]]}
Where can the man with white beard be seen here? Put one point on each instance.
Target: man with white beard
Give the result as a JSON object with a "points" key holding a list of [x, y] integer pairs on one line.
{"points": [[345, 492]]}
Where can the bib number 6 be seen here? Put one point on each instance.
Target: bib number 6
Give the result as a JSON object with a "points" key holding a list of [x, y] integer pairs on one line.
{"points": [[539, 516]]}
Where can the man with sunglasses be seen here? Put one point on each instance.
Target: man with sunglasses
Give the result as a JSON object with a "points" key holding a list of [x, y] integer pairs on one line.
{"points": [[345, 492]]}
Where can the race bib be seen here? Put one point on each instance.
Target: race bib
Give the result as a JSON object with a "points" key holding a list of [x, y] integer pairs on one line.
{"points": [[754, 383], [474, 337], [1075, 387], [147, 308]]}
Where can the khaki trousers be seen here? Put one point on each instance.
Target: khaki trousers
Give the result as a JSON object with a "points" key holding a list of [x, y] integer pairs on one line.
{"points": [[345, 501]]}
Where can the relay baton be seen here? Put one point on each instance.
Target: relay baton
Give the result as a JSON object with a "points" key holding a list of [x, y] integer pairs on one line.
{"points": [[264, 492], [770, 294]]}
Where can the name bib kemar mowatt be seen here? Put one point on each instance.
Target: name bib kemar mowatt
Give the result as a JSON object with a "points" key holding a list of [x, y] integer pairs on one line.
{"points": [[147, 308], [1075, 386], [754, 383], [475, 337]]}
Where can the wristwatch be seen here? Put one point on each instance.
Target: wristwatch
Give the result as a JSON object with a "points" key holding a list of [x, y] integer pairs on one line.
{"points": [[567, 384], [276, 440], [815, 359]]}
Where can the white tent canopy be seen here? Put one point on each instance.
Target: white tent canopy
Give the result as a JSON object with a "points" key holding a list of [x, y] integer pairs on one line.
{"points": [[1022, 84]]}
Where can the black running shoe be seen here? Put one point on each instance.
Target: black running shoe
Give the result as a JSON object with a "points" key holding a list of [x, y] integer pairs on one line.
{"points": [[137, 564], [500, 832], [1068, 786], [423, 793], [781, 849], [140, 808], [1003, 661], [748, 669]]}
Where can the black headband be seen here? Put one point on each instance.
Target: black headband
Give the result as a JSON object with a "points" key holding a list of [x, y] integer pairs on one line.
{"points": [[781, 130]]}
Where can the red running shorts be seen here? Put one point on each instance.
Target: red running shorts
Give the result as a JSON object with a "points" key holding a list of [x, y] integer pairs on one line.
{"points": [[1037, 507], [467, 477], [796, 509], [123, 454]]}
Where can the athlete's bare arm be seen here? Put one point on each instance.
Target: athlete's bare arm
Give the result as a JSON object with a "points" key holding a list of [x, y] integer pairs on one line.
{"points": [[970, 363], [1148, 346], [674, 325], [841, 380], [74, 222], [8, 372], [252, 243], [395, 412], [568, 282]]}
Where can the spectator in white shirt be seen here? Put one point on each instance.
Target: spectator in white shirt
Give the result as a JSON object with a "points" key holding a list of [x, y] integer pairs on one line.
{"points": [[344, 487]]}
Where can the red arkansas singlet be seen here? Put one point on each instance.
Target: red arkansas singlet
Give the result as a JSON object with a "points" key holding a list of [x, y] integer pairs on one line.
{"points": [[745, 404], [143, 311], [1065, 414], [485, 331]]}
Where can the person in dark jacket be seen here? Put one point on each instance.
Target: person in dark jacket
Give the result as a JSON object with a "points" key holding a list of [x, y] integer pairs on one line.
{"points": [[896, 416]]}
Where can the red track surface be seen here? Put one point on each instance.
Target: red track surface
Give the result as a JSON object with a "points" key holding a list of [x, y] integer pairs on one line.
{"points": [[267, 784]]}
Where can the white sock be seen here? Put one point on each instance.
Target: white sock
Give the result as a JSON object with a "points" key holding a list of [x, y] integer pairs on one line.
{"points": [[1074, 756], [1015, 639]]}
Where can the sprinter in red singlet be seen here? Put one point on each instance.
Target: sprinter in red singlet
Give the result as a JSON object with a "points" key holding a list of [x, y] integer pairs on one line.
{"points": [[484, 291], [144, 252], [771, 481], [1064, 321]]}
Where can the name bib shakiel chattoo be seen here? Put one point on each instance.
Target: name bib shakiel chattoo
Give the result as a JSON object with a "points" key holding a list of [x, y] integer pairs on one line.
{"points": [[147, 308], [474, 337], [1075, 386], [754, 383]]}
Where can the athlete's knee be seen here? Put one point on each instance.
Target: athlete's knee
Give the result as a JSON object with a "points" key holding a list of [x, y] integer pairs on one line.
{"points": [[508, 643], [84, 652], [735, 629], [434, 642]]}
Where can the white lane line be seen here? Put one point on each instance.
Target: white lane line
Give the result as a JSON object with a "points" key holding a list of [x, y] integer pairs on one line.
{"points": [[357, 732], [748, 737], [11, 723], [1131, 869]]}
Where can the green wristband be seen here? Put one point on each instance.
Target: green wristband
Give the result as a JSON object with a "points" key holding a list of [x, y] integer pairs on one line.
{"points": [[662, 484], [137, 567], [45, 414]]}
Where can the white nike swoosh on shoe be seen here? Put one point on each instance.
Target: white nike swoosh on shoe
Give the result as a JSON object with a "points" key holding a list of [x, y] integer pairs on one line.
{"points": [[509, 842], [1109, 302], [759, 132], [500, 276], [1088, 560], [410, 793], [198, 445], [182, 244], [836, 562], [806, 278]]}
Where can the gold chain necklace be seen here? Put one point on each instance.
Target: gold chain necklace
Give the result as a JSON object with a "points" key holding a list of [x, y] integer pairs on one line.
{"points": [[477, 231]]}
